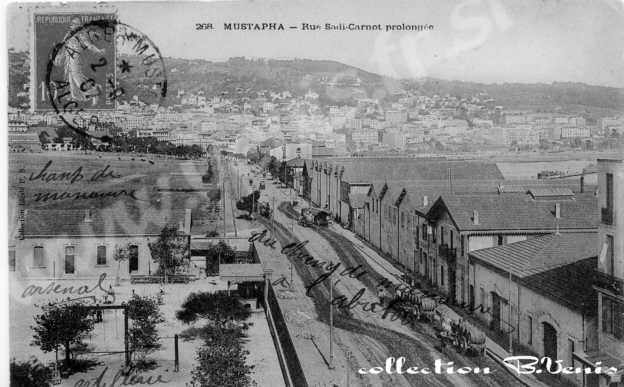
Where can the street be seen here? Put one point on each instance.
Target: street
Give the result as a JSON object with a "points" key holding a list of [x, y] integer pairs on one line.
{"points": [[363, 338]]}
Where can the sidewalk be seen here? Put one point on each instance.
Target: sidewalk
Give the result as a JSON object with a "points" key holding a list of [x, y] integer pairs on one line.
{"points": [[393, 274]]}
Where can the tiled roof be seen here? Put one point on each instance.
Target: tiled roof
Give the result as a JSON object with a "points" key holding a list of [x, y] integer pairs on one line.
{"points": [[540, 254], [516, 211], [241, 271], [569, 285], [417, 189], [366, 170], [103, 222]]}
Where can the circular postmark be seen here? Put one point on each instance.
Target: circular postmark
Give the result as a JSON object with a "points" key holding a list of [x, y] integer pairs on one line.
{"points": [[97, 67]]}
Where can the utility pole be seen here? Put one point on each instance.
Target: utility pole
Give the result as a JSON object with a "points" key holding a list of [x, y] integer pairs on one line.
{"points": [[509, 315], [348, 368], [273, 216], [331, 325], [223, 205]]}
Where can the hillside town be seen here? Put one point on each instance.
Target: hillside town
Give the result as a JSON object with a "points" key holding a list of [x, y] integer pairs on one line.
{"points": [[408, 123]]}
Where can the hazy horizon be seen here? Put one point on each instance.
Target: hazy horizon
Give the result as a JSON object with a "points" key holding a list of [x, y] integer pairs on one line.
{"points": [[476, 41]]}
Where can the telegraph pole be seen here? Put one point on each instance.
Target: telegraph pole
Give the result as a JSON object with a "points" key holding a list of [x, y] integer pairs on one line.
{"points": [[509, 315], [273, 216], [223, 205], [331, 325]]}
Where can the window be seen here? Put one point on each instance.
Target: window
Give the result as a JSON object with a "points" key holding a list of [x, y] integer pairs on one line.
{"points": [[500, 240], [609, 192], [451, 239], [12, 260], [402, 218], [461, 240], [69, 259], [38, 259], [613, 318], [610, 255], [571, 352], [530, 338], [483, 301], [441, 235], [101, 255], [424, 232], [442, 275]]}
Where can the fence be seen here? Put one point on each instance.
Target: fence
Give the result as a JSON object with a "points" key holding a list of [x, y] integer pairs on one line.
{"points": [[289, 361]]}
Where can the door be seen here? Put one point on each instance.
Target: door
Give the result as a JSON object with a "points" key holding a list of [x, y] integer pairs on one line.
{"points": [[452, 284], [69, 259], [133, 260], [471, 297], [496, 311], [550, 341]]}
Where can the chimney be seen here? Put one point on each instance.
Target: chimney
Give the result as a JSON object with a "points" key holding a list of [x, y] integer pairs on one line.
{"points": [[425, 201], [187, 221], [582, 184], [475, 217]]}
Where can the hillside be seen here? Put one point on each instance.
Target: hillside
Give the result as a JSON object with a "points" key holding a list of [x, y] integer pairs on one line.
{"points": [[337, 83], [567, 96]]}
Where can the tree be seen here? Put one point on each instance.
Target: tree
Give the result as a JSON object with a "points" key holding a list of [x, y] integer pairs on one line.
{"points": [[44, 137], [221, 363], [218, 253], [209, 175], [170, 251], [274, 166], [144, 314], [62, 325], [249, 202], [29, 373], [216, 307], [121, 254]]}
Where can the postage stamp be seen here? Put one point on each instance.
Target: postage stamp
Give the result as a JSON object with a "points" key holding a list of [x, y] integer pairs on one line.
{"points": [[73, 55], [90, 69]]}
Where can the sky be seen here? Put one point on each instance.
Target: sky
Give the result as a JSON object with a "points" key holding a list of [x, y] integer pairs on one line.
{"points": [[490, 41]]}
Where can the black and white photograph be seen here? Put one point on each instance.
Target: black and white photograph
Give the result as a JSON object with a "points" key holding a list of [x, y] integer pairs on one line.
{"points": [[275, 193]]}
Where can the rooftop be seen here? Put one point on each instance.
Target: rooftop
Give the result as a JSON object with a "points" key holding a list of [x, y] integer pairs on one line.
{"points": [[540, 254], [517, 211], [97, 222]]}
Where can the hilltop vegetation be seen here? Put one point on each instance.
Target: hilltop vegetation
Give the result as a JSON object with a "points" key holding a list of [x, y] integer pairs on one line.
{"points": [[337, 83]]}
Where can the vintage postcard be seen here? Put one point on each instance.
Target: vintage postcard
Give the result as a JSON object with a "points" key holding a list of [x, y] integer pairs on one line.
{"points": [[322, 193]]}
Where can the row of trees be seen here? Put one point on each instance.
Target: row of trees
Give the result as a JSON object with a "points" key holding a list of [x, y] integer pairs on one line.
{"points": [[119, 142], [221, 360]]}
